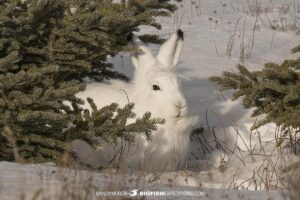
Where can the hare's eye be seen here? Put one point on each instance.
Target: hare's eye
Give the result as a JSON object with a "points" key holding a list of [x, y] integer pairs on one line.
{"points": [[156, 87]]}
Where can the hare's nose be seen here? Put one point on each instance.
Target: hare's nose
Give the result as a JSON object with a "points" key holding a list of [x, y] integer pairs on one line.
{"points": [[180, 105]]}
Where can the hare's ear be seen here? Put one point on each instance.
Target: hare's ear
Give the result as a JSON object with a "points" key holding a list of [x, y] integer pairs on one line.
{"points": [[142, 58], [170, 51]]}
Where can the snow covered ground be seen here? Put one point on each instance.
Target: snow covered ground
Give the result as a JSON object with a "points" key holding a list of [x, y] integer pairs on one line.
{"points": [[219, 34], [32, 182]]}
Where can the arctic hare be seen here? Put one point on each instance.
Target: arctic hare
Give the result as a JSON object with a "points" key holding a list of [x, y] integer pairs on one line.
{"points": [[156, 88]]}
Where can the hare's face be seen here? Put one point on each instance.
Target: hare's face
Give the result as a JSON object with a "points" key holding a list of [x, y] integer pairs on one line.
{"points": [[156, 79], [164, 91]]}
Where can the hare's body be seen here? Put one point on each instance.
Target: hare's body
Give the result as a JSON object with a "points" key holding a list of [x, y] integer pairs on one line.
{"points": [[109, 90], [154, 88]]}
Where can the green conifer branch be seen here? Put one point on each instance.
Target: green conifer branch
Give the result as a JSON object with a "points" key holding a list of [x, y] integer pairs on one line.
{"points": [[273, 92]]}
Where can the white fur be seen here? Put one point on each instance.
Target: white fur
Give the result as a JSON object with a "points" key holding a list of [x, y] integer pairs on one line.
{"points": [[169, 146]]}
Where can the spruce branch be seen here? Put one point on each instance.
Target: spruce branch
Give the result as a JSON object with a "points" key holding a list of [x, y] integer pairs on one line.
{"points": [[273, 92]]}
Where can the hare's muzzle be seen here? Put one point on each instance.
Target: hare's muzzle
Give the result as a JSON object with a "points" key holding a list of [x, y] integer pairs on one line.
{"points": [[181, 110]]}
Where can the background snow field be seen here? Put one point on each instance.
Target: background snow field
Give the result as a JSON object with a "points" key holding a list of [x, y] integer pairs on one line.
{"points": [[219, 34]]}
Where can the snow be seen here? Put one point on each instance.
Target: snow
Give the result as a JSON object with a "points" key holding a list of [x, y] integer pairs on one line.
{"points": [[209, 34], [49, 182]]}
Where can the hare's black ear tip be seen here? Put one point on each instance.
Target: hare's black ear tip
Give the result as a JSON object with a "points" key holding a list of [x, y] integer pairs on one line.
{"points": [[130, 37], [180, 34]]}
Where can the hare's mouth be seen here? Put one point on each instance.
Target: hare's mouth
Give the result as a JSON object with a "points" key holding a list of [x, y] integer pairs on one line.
{"points": [[180, 115]]}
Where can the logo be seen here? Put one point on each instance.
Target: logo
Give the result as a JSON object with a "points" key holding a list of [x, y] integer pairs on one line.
{"points": [[133, 193]]}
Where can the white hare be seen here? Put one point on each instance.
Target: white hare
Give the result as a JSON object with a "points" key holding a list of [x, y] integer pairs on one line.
{"points": [[156, 88]]}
